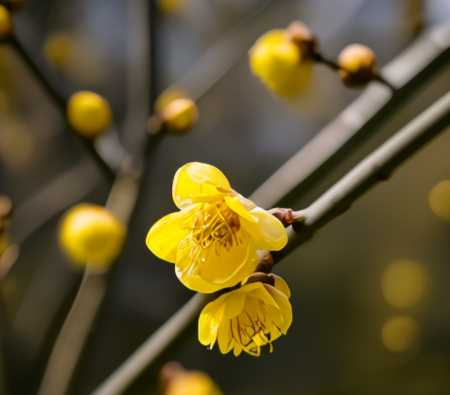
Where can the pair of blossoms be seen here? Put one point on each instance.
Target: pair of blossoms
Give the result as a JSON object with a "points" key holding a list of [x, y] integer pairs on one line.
{"points": [[216, 241]]}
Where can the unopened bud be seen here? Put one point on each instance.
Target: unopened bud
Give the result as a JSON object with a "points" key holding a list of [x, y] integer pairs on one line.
{"points": [[6, 27], [89, 114], [179, 115], [303, 37], [357, 65], [6, 208]]}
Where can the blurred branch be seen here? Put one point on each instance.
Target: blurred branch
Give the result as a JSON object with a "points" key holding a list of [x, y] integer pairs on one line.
{"points": [[122, 203], [75, 330], [153, 347], [350, 122], [57, 93], [377, 167], [221, 57], [406, 72]]}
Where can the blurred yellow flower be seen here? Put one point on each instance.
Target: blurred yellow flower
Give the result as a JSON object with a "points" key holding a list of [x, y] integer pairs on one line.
{"points": [[358, 64], [91, 236], [404, 283], [279, 63], [89, 114], [439, 200], [400, 333], [180, 114], [5, 22], [171, 6], [192, 383], [246, 319], [214, 238], [59, 49]]}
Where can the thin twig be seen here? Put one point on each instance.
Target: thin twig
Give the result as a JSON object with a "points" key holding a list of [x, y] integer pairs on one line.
{"points": [[376, 167], [122, 203], [57, 93], [358, 116], [153, 347], [75, 330], [411, 68]]}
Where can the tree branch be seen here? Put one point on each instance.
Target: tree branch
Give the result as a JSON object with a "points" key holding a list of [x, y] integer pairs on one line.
{"points": [[378, 166], [59, 96], [353, 120]]}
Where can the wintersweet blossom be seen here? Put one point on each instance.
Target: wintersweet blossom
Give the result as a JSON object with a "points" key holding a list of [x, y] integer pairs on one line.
{"points": [[280, 64], [213, 240], [248, 318]]}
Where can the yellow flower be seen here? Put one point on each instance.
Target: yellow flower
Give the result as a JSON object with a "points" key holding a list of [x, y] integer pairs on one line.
{"points": [[192, 383], [213, 240], [89, 114], [180, 114], [278, 62], [59, 49], [92, 236], [5, 22], [247, 318]]}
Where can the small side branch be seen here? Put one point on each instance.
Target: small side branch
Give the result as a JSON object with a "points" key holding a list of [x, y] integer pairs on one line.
{"points": [[377, 166]]}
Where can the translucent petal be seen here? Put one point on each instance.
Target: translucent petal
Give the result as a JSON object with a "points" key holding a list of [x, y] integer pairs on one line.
{"points": [[198, 182], [235, 204], [209, 321], [216, 266], [224, 337], [234, 304], [282, 285], [268, 233], [285, 308], [165, 235]]}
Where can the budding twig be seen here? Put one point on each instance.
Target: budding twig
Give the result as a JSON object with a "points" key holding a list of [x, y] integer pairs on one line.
{"points": [[277, 187], [59, 96], [368, 172]]}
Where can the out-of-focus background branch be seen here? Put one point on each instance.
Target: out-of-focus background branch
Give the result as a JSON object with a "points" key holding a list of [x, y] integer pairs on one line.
{"points": [[335, 345]]}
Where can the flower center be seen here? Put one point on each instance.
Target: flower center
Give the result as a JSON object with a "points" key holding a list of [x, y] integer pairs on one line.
{"points": [[215, 223], [251, 333]]}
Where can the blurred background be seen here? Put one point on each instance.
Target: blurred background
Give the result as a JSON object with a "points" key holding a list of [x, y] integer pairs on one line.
{"points": [[370, 291]]}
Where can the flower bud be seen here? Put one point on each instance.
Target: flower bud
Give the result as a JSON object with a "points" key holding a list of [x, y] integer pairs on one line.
{"points": [[6, 207], [91, 236], [59, 49], [303, 37], [280, 64], [6, 27], [179, 115], [178, 381], [89, 114], [357, 65]]}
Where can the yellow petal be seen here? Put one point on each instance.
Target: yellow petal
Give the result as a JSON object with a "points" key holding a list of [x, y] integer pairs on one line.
{"points": [[165, 235], [234, 304], [209, 321], [198, 182], [285, 307], [209, 269], [235, 204], [282, 285], [224, 338], [268, 233]]}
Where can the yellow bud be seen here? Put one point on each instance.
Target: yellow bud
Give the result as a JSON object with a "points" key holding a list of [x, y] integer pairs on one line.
{"points": [[91, 236], [399, 333], [279, 63], [89, 114], [357, 63], [180, 114], [404, 283], [192, 383], [439, 200], [5, 22], [59, 49], [171, 6]]}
